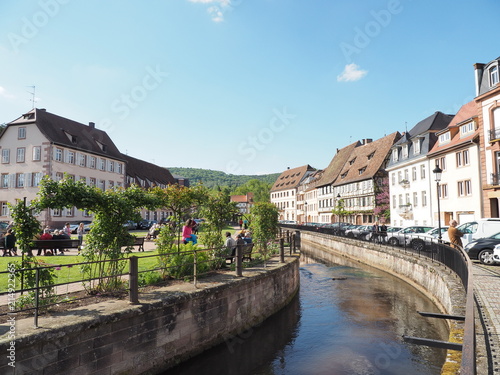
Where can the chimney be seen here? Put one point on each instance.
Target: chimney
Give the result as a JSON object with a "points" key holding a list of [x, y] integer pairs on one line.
{"points": [[366, 141], [43, 110], [92, 125], [478, 68]]}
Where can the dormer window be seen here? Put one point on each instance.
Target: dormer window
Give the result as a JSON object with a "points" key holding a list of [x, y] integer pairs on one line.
{"points": [[344, 175], [371, 155], [29, 116], [493, 73], [351, 162], [71, 137], [405, 151], [416, 147], [395, 154], [466, 129], [102, 146], [445, 137], [361, 170]]}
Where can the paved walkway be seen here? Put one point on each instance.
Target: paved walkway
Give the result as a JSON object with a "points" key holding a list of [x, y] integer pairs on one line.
{"points": [[487, 295]]}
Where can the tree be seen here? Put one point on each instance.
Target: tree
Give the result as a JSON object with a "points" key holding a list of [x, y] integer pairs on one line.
{"points": [[259, 189], [382, 200], [264, 225]]}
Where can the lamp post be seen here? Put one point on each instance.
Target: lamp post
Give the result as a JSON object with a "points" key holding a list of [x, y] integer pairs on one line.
{"points": [[305, 218], [437, 177], [338, 206]]}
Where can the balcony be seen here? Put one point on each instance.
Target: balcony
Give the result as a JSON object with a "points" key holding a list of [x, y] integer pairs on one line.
{"points": [[404, 183], [405, 211], [494, 135], [494, 179]]}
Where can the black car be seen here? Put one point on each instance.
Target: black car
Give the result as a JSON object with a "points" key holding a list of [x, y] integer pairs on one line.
{"points": [[482, 248]]}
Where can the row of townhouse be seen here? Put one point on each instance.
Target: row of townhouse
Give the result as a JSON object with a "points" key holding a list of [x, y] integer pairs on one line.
{"points": [[398, 172], [40, 144]]}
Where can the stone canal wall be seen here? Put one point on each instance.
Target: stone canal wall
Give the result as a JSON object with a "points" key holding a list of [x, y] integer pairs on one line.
{"points": [[170, 325], [437, 282]]}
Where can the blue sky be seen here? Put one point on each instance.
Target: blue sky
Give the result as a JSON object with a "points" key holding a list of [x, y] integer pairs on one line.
{"points": [[243, 86]]}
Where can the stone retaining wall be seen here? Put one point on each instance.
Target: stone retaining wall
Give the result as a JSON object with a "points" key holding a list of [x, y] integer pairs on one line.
{"points": [[436, 281], [169, 326]]}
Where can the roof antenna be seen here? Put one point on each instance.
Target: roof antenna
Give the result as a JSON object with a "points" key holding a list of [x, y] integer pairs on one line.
{"points": [[32, 100]]}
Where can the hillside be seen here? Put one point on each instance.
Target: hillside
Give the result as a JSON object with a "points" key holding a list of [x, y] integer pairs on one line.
{"points": [[212, 178]]}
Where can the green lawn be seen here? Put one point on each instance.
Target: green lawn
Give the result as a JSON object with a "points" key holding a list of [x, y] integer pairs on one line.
{"points": [[67, 273]]}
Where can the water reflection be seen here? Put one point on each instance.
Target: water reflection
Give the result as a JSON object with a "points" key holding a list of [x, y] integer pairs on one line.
{"points": [[347, 319]]}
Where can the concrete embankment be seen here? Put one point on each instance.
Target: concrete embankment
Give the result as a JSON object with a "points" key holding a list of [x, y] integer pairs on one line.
{"points": [[170, 325], [436, 281]]}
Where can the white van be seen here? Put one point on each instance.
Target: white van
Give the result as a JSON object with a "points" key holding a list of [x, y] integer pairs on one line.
{"points": [[473, 230]]}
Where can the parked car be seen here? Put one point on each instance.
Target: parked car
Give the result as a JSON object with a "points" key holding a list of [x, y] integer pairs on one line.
{"points": [[474, 230], [418, 241], [400, 237], [145, 224], [361, 231], [3, 227], [130, 225], [74, 225], [482, 249]]}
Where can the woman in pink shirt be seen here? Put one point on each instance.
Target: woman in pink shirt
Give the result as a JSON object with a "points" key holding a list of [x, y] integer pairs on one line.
{"points": [[187, 232]]}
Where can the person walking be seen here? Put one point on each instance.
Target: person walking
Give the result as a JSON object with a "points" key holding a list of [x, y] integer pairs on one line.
{"points": [[10, 243], [455, 235], [80, 232]]}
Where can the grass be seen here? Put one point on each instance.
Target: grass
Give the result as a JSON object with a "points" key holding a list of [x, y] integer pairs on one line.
{"points": [[67, 273]]}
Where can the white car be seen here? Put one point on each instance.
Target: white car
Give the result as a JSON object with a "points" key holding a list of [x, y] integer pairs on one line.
{"points": [[418, 241]]}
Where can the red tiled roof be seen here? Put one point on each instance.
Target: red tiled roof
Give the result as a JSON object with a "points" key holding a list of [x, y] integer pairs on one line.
{"points": [[291, 178]]}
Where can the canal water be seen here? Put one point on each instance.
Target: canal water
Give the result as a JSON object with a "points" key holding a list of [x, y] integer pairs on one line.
{"points": [[347, 319]]}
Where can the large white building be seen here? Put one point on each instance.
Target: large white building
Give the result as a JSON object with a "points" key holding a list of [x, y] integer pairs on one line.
{"points": [[40, 144]]}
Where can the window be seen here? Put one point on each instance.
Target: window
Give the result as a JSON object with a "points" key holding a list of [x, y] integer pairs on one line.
{"points": [[71, 157], [37, 177], [444, 138], [92, 162], [415, 199], [83, 160], [5, 181], [59, 176], [37, 153], [405, 151], [414, 173], [5, 209], [422, 172], [395, 154], [5, 156], [424, 198], [441, 162], [371, 155], [464, 188], [393, 178], [21, 133], [443, 191], [393, 201], [111, 166], [20, 180], [462, 158], [466, 129], [102, 164], [493, 75], [21, 152], [406, 174], [416, 147], [58, 154], [92, 181], [361, 170], [56, 212], [407, 198]]}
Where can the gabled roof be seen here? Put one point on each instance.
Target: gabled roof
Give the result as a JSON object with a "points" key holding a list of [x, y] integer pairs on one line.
{"points": [[313, 180], [68, 133], [433, 123], [247, 198], [366, 160], [468, 112], [151, 174], [332, 171], [291, 178]]}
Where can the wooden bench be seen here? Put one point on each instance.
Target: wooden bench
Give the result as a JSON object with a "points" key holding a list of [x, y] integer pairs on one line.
{"points": [[139, 242], [246, 252], [54, 245]]}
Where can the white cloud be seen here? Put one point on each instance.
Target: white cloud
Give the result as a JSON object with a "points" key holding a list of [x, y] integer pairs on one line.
{"points": [[217, 10], [351, 73], [5, 94]]}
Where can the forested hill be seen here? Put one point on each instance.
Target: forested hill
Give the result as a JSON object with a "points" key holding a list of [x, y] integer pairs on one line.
{"points": [[211, 178]]}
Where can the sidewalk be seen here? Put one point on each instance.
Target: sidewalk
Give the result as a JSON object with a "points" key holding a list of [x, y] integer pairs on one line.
{"points": [[487, 295]]}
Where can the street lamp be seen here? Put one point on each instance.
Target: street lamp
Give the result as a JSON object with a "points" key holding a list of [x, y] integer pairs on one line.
{"points": [[437, 177], [305, 218], [338, 206]]}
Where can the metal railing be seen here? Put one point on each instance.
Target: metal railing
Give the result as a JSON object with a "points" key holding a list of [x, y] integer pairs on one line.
{"points": [[130, 272], [424, 246]]}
